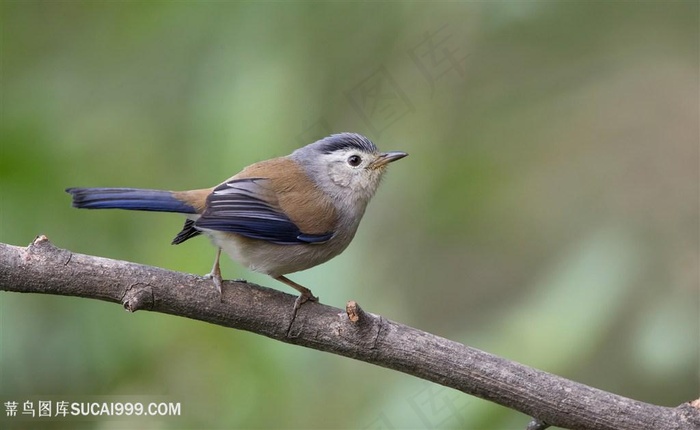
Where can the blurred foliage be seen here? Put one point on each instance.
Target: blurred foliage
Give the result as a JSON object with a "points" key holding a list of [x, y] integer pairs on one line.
{"points": [[548, 211]]}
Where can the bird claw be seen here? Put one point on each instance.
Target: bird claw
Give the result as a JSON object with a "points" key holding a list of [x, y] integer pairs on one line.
{"points": [[303, 298], [215, 274], [218, 281]]}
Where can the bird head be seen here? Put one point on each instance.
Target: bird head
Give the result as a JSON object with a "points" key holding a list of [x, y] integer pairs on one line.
{"points": [[347, 166]]}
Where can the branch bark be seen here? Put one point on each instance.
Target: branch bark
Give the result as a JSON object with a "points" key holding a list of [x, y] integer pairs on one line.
{"points": [[551, 400]]}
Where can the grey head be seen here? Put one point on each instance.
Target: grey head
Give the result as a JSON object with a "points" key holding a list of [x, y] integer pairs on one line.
{"points": [[347, 166]]}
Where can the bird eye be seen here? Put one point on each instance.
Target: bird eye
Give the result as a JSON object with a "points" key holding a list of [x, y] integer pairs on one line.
{"points": [[354, 160]]}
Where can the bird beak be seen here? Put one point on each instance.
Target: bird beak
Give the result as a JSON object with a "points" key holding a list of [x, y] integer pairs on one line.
{"points": [[386, 157]]}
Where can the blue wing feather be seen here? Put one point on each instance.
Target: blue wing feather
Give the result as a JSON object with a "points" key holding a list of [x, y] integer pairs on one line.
{"points": [[249, 208]]}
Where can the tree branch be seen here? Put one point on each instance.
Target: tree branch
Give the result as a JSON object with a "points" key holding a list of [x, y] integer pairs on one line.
{"points": [[354, 333]]}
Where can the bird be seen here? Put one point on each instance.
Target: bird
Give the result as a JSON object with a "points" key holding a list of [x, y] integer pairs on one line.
{"points": [[277, 216]]}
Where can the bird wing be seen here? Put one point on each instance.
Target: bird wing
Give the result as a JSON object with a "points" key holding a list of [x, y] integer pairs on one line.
{"points": [[250, 207], [188, 232]]}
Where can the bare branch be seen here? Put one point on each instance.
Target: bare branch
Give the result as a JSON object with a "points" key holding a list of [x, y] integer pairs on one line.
{"points": [[353, 332]]}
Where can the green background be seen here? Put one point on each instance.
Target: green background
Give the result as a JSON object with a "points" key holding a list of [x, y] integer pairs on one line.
{"points": [[548, 211]]}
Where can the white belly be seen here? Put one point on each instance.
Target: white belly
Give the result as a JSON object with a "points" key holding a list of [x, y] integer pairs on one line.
{"points": [[275, 260]]}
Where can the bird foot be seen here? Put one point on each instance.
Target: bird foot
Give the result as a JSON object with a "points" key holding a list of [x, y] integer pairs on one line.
{"points": [[303, 298], [216, 277], [215, 274]]}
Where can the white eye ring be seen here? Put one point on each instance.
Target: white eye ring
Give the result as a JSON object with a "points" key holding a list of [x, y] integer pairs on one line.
{"points": [[354, 160]]}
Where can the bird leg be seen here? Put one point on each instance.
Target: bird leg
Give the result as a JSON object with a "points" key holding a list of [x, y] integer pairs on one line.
{"points": [[305, 295], [215, 273]]}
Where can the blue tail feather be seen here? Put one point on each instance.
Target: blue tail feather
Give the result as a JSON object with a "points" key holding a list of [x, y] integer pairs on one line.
{"points": [[128, 198]]}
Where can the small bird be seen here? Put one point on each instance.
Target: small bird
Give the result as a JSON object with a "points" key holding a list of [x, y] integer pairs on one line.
{"points": [[277, 216]]}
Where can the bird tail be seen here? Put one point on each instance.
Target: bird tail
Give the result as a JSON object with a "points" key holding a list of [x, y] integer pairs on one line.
{"points": [[128, 198]]}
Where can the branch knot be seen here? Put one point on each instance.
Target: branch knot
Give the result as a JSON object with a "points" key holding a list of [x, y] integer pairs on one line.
{"points": [[137, 297]]}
